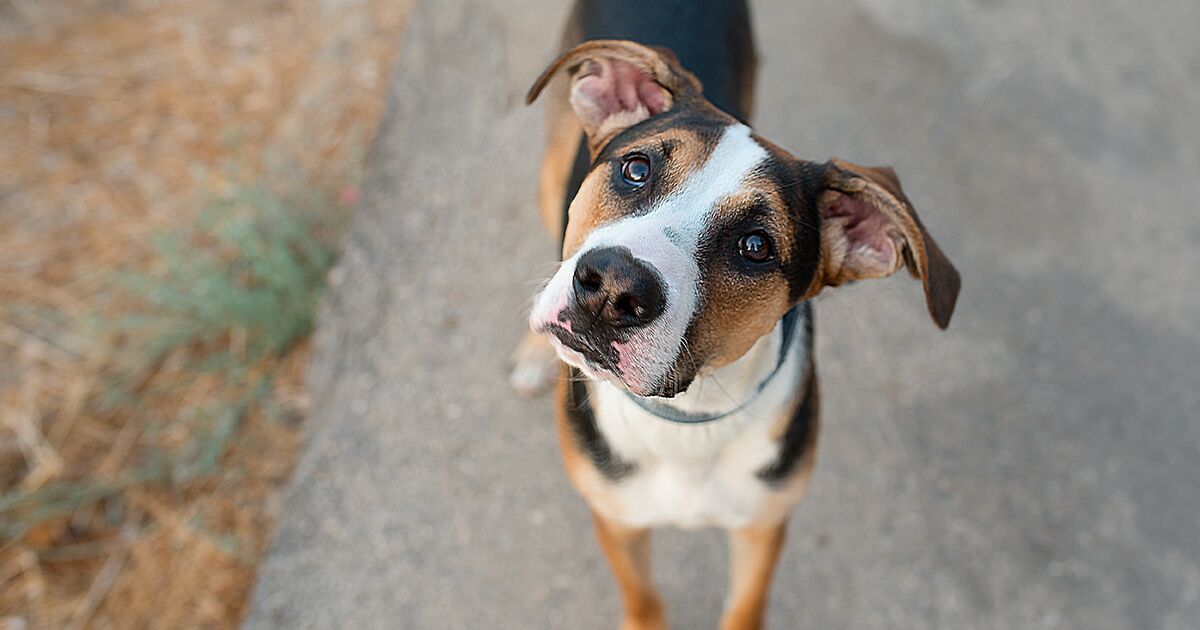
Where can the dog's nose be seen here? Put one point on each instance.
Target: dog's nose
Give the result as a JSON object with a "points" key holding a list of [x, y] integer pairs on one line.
{"points": [[616, 289]]}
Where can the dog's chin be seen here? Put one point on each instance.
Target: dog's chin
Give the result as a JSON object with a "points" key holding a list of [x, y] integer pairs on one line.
{"points": [[590, 369], [672, 387], [577, 360], [648, 391], [576, 354]]}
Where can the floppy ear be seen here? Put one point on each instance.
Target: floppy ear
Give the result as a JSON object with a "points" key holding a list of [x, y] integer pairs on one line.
{"points": [[618, 83], [869, 228]]}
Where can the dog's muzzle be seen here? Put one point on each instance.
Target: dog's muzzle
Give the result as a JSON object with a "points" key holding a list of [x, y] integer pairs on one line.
{"points": [[612, 299]]}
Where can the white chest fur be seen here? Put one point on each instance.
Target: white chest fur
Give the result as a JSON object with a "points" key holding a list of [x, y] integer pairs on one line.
{"points": [[706, 474]]}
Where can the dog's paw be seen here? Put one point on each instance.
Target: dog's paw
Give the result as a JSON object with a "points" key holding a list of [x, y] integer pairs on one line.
{"points": [[534, 366]]}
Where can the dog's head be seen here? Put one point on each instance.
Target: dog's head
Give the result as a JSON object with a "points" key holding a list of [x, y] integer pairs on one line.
{"points": [[691, 236]]}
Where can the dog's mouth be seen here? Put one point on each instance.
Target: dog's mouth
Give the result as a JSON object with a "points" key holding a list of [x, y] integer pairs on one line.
{"points": [[581, 353], [604, 363]]}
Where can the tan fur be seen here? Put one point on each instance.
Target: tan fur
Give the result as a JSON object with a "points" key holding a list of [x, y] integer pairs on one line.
{"points": [[737, 312], [753, 553], [628, 553], [563, 135], [592, 207], [583, 475], [736, 315]]}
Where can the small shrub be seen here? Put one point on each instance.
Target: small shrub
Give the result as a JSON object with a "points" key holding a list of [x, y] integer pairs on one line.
{"points": [[226, 300]]}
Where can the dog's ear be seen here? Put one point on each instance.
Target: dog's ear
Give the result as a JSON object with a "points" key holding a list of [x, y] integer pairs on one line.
{"points": [[869, 228], [617, 83]]}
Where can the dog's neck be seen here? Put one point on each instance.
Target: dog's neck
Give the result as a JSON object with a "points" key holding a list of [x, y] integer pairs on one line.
{"points": [[730, 387]]}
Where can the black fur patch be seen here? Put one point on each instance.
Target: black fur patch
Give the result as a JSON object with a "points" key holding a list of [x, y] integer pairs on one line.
{"points": [[587, 435], [800, 436], [800, 184], [703, 121], [601, 353]]}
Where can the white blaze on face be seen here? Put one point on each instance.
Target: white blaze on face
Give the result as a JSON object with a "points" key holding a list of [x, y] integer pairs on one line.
{"points": [[666, 237]]}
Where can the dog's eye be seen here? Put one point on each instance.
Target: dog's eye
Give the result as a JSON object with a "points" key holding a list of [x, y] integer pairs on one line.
{"points": [[756, 247], [635, 169]]}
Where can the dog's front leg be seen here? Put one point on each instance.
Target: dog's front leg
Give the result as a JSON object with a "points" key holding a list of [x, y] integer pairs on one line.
{"points": [[752, 555], [628, 553]]}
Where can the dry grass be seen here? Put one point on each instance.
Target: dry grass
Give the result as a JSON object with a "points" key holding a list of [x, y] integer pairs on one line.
{"points": [[146, 425]]}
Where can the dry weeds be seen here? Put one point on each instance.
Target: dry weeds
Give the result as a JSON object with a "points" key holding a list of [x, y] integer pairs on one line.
{"points": [[119, 121]]}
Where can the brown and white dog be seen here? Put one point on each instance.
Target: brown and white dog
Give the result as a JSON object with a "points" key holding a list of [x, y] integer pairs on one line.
{"points": [[690, 252]]}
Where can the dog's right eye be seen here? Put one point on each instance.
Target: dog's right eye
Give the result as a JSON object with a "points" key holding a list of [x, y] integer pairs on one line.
{"points": [[756, 247], [635, 170]]}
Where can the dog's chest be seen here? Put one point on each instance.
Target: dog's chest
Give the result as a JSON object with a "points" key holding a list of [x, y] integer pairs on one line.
{"points": [[686, 476]]}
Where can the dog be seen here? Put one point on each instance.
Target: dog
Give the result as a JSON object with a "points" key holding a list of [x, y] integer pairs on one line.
{"points": [[687, 393]]}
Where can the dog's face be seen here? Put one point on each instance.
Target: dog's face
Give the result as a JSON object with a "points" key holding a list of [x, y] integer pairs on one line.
{"points": [[691, 237]]}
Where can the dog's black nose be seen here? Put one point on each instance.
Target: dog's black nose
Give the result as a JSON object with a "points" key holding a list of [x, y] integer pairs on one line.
{"points": [[614, 288]]}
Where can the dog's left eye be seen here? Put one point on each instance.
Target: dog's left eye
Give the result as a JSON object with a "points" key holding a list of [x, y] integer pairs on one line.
{"points": [[635, 169], [756, 247]]}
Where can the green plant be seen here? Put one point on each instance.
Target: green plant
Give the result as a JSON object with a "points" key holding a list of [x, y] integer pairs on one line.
{"points": [[228, 297], [249, 276]]}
